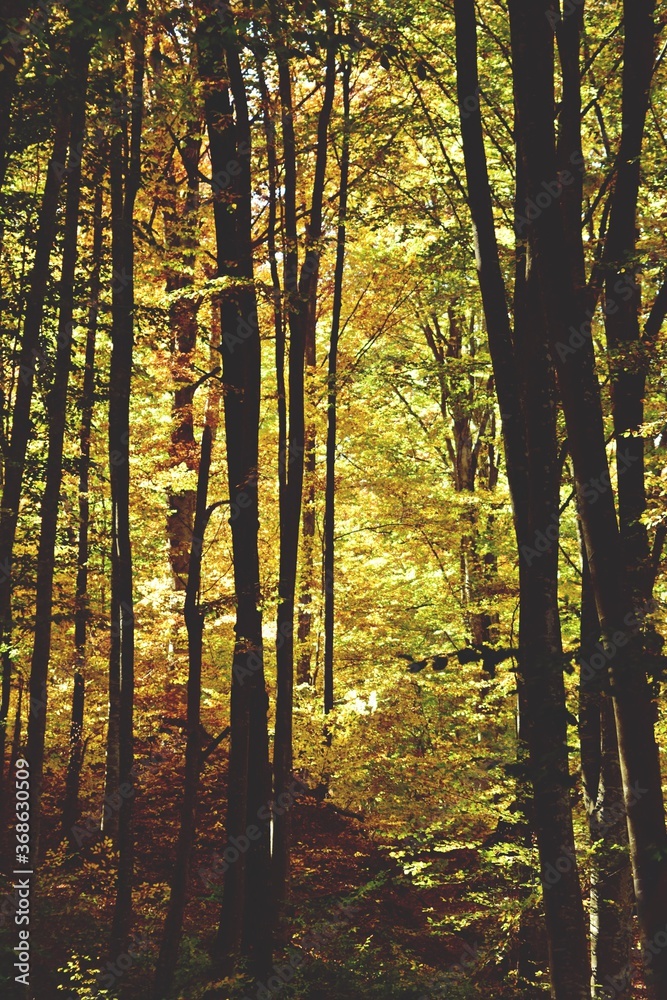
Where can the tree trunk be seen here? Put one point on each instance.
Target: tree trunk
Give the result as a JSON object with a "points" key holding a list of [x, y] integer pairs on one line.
{"points": [[21, 426], [569, 331], [71, 802], [16, 739], [332, 401], [302, 318], [13, 31], [526, 398], [56, 405], [125, 170], [180, 220], [194, 620], [245, 921], [82, 608], [623, 301], [305, 645], [611, 897], [541, 657]]}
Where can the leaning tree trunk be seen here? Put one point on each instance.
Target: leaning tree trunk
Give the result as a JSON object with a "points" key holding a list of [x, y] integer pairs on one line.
{"points": [[56, 405], [125, 170], [570, 336], [194, 620], [180, 220], [20, 434], [245, 925]]}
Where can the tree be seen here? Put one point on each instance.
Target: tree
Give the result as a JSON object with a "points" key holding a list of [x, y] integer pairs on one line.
{"points": [[125, 176], [332, 399], [532, 45], [245, 925], [56, 408], [525, 386]]}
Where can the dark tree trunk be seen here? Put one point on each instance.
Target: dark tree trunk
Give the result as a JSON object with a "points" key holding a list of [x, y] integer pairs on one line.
{"points": [[611, 897], [329, 568], [623, 299], [181, 218], [13, 31], [302, 318], [125, 170], [81, 607], [541, 656], [81, 602], [569, 331], [56, 405], [304, 634], [76, 746], [245, 922], [21, 427], [526, 396], [194, 620], [16, 739]]}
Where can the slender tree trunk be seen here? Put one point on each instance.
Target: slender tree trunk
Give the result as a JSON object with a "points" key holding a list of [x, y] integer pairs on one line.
{"points": [[125, 171], [611, 899], [194, 620], [13, 30], [329, 568], [245, 922], [623, 299], [56, 409], [305, 647], [20, 434], [16, 739], [72, 781], [302, 318], [82, 605], [181, 218], [569, 331]]}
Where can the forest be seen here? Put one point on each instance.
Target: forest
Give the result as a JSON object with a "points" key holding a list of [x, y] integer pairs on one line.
{"points": [[333, 477]]}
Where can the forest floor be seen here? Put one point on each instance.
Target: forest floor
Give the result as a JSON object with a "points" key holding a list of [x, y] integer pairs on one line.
{"points": [[369, 920]]}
